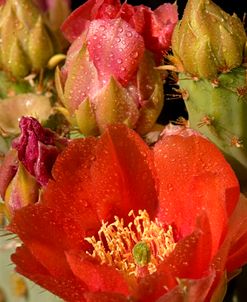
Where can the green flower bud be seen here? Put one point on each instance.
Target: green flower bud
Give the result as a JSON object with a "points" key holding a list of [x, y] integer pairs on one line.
{"points": [[207, 40], [26, 42], [40, 48], [22, 190]]}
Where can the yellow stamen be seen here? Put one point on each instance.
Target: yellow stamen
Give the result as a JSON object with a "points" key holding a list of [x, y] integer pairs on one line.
{"points": [[117, 244]]}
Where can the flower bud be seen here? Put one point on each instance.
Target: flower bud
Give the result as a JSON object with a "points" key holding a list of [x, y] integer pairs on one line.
{"points": [[26, 43], [121, 87], [22, 190], [54, 13], [40, 46], [8, 170], [38, 149], [208, 40]]}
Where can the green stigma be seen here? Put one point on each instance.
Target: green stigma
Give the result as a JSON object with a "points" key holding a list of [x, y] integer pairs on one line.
{"points": [[141, 253]]}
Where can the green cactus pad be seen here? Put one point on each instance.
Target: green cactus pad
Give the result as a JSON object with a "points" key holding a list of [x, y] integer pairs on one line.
{"points": [[219, 111]]}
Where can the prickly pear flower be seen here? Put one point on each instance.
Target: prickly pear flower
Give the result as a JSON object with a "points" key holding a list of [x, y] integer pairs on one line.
{"points": [[26, 42], [208, 40], [123, 222], [109, 75]]}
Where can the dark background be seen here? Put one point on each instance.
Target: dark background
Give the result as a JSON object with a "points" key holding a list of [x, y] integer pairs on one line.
{"points": [[237, 6]]}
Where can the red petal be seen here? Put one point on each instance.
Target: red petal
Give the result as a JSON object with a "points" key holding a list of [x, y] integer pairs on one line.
{"points": [[107, 10], [70, 192], [69, 289], [192, 255], [155, 285], [105, 297], [237, 237], [190, 290], [193, 175], [156, 27], [98, 278], [115, 48], [49, 235], [77, 21], [122, 175], [95, 180]]}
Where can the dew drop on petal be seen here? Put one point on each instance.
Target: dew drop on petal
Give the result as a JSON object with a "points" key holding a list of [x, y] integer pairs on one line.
{"points": [[120, 29], [102, 27], [136, 54], [169, 187]]}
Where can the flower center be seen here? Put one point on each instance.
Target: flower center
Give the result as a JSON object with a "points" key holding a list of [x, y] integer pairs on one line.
{"points": [[136, 248]]}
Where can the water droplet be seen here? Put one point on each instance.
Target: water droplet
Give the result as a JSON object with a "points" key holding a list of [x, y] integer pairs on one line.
{"points": [[120, 29], [129, 34], [119, 61], [94, 37], [169, 187], [102, 27], [136, 54], [118, 39]]}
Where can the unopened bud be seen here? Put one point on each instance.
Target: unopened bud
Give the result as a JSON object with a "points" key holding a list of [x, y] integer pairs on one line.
{"points": [[207, 40]]}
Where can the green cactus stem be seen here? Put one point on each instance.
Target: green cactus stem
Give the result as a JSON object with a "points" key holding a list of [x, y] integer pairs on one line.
{"points": [[219, 111]]}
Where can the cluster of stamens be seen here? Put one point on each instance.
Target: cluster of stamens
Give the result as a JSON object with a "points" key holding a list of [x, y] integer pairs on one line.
{"points": [[141, 244]]}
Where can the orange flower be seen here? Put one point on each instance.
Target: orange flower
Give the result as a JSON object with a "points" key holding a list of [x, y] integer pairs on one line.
{"points": [[123, 222]]}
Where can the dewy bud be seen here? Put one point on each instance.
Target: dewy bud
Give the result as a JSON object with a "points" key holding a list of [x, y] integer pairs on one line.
{"points": [[207, 40], [22, 190], [39, 40], [26, 43]]}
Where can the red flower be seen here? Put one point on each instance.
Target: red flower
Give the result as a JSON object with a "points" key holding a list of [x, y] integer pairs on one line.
{"points": [[156, 27], [188, 229]]}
